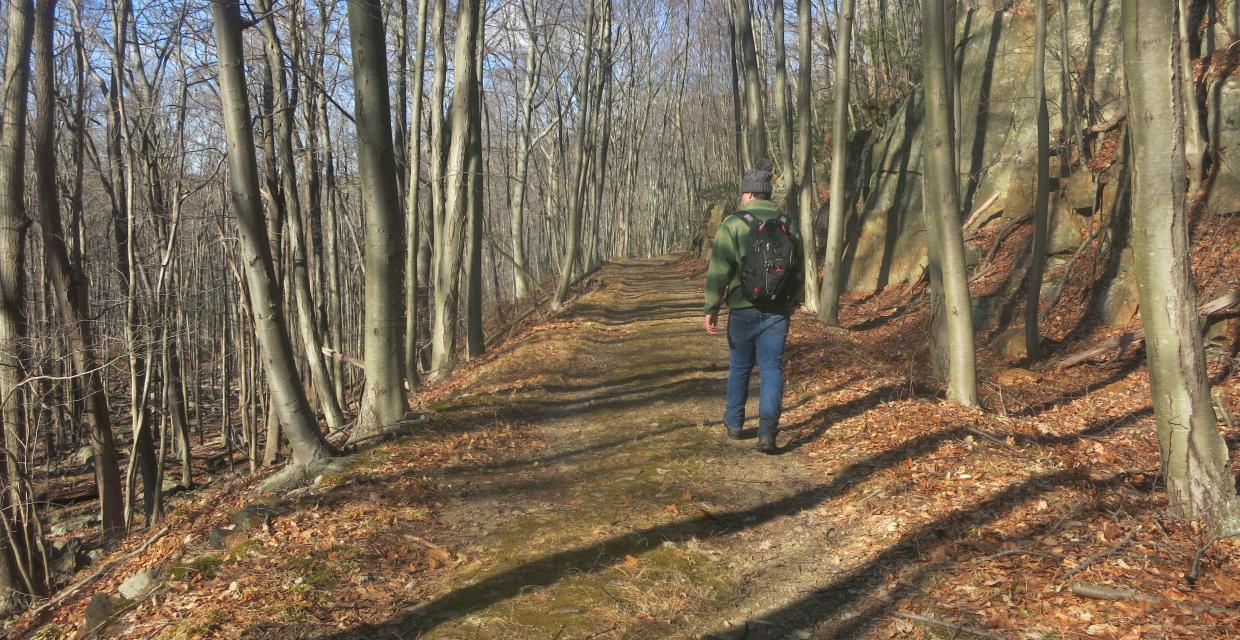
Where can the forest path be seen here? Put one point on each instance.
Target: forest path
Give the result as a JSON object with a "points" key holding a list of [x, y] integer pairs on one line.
{"points": [[640, 519]]}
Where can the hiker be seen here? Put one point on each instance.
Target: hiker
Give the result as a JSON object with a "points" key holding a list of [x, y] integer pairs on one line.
{"points": [[755, 269]]}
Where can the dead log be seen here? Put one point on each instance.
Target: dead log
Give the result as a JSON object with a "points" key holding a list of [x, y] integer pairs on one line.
{"points": [[1086, 590], [1138, 336], [950, 626]]}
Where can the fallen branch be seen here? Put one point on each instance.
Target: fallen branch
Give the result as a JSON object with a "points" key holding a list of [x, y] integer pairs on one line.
{"points": [[347, 359], [943, 624], [1067, 271], [1091, 560], [1103, 127], [983, 267], [1138, 336], [71, 591], [980, 210], [1017, 552], [1086, 590], [993, 438]]}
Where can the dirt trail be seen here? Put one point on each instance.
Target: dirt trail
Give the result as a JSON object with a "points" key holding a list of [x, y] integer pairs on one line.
{"points": [[640, 519]]}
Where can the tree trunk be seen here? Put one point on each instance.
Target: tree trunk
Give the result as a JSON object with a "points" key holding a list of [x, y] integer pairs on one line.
{"points": [[383, 398], [943, 205], [742, 147], [1041, 208], [783, 116], [755, 123], [832, 261], [1195, 144], [13, 351], [576, 198], [270, 328], [475, 339], [602, 135], [533, 69], [1192, 451], [312, 343], [448, 187], [412, 204]]}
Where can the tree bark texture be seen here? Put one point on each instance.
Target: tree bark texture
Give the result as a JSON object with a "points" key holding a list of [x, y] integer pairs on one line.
{"points": [[1192, 451], [383, 398]]}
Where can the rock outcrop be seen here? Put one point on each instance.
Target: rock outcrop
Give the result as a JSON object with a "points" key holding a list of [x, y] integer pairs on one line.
{"points": [[997, 149]]}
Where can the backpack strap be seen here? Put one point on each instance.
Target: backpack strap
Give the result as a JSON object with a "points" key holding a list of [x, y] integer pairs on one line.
{"points": [[748, 218]]}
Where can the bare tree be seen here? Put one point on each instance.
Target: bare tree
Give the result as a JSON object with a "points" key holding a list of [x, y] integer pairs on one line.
{"points": [[755, 116], [412, 204], [14, 501], [287, 394], [1192, 451], [833, 258], [1041, 212], [943, 206], [312, 343], [383, 400]]}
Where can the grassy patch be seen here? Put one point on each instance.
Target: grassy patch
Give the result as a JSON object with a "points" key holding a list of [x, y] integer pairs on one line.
{"points": [[50, 632], [205, 567], [196, 627]]}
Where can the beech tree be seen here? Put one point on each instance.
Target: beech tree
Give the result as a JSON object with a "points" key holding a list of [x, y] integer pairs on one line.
{"points": [[454, 215], [1191, 449], [312, 343], [805, 153], [942, 204], [755, 118], [383, 400], [1041, 213], [413, 219], [287, 395], [832, 261]]}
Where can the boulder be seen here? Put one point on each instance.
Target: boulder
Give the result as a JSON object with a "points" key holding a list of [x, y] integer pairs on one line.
{"points": [[98, 611], [1010, 345], [252, 517], [226, 539], [84, 456], [65, 556], [140, 584], [1225, 192], [714, 217], [72, 523], [1080, 191]]}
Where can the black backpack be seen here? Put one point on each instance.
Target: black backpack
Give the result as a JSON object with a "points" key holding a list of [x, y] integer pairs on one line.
{"points": [[770, 268]]}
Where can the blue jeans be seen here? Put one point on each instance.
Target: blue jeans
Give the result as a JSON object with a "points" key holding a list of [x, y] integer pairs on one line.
{"points": [[756, 337]]}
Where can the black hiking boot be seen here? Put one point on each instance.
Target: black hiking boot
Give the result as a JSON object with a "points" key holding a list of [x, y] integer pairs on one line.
{"points": [[766, 444], [734, 434]]}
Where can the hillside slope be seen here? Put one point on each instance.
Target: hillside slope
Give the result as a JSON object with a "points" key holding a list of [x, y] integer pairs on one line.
{"points": [[577, 484]]}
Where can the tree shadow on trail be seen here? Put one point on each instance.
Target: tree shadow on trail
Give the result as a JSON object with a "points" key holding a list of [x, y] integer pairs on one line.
{"points": [[831, 600], [568, 454], [661, 376], [639, 398], [823, 419], [859, 586], [549, 569]]}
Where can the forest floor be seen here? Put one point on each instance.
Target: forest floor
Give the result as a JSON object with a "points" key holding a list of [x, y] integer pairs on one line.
{"points": [[577, 483]]}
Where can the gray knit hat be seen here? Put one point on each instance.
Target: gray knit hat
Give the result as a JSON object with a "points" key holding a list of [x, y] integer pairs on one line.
{"points": [[758, 179]]}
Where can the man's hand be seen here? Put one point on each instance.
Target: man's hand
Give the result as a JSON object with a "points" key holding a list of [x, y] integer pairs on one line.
{"points": [[712, 323]]}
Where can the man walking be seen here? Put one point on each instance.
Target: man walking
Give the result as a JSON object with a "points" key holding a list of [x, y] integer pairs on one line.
{"points": [[755, 270]]}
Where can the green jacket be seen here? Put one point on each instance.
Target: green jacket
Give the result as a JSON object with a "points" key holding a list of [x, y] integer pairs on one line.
{"points": [[723, 278]]}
